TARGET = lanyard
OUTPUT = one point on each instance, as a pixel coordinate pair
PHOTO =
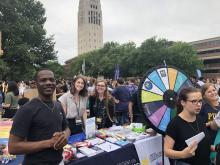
(77, 106)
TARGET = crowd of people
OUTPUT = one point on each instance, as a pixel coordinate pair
(44, 119)
(111, 102)
(71, 102)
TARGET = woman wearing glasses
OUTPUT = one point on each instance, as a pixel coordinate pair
(184, 126)
(101, 105)
(74, 104)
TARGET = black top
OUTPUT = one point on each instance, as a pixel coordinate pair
(102, 110)
(137, 116)
(218, 158)
(208, 113)
(122, 94)
(181, 130)
(36, 121)
(135, 107)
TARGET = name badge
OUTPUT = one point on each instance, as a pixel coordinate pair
(98, 120)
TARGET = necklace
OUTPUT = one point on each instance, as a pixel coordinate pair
(50, 108)
(197, 125)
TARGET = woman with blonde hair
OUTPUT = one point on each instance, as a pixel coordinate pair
(101, 105)
(209, 110)
(210, 106)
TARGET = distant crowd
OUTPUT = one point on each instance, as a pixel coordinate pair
(116, 103)
(110, 101)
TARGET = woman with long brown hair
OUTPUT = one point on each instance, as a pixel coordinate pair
(74, 104)
(101, 105)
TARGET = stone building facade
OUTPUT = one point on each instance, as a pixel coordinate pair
(90, 29)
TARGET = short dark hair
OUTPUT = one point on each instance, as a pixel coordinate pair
(13, 87)
(38, 71)
(201, 78)
(120, 81)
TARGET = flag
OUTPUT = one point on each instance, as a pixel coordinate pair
(84, 67)
(198, 73)
(117, 72)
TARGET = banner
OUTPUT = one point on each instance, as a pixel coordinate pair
(117, 72)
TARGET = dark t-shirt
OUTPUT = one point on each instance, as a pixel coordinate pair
(137, 116)
(208, 113)
(181, 130)
(36, 122)
(122, 94)
(135, 107)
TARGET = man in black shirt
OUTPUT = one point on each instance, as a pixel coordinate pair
(40, 127)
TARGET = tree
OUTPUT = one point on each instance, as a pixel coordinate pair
(136, 61)
(3, 69)
(56, 68)
(24, 39)
(183, 56)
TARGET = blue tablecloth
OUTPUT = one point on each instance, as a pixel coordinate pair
(125, 155)
(19, 158)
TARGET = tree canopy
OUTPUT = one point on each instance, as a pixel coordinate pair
(25, 44)
(27, 48)
(135, 61)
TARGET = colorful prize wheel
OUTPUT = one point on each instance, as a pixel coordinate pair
(158, 93)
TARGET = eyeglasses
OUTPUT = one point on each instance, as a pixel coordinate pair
(100, 85)
(195, 102)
